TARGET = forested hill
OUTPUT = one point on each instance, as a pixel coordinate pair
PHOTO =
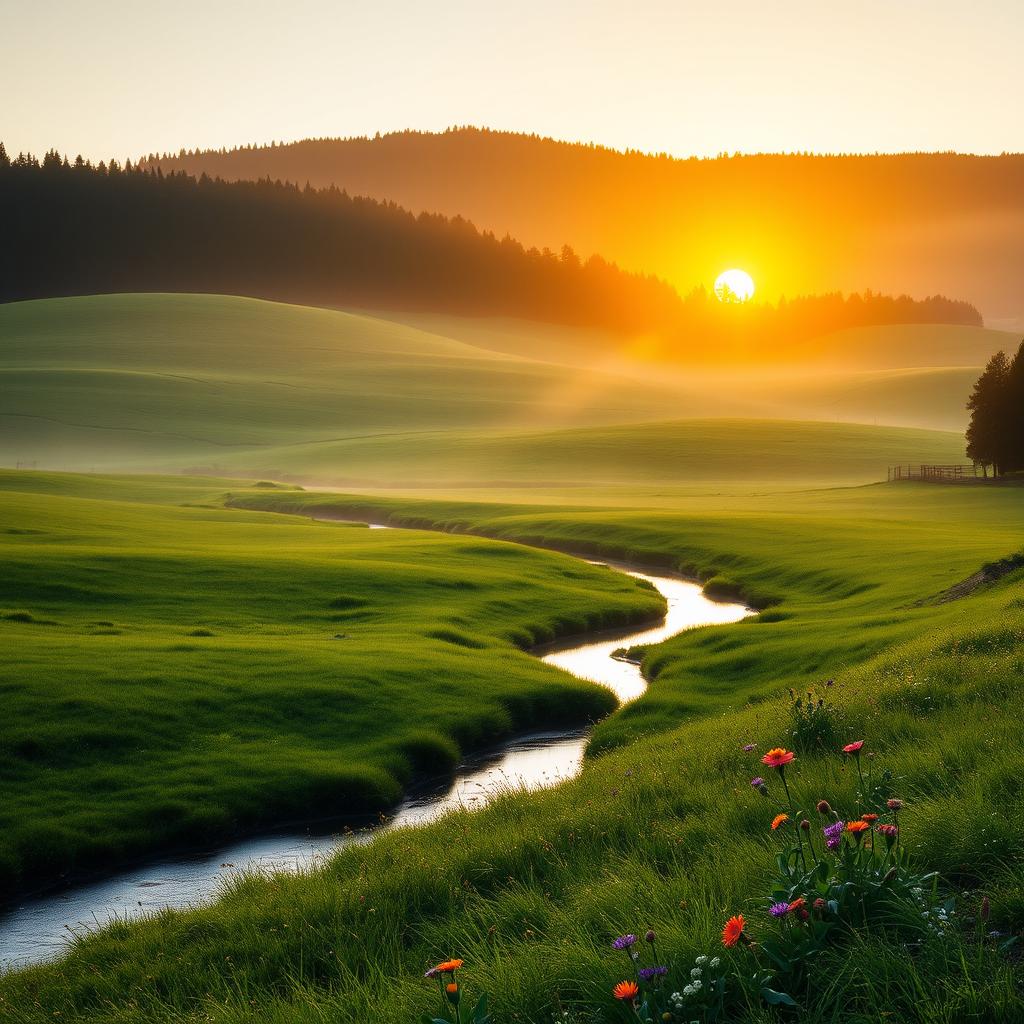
(73, 229)
(918, 223)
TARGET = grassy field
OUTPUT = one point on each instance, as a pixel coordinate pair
(228, 386)
(662, 830)
(162, 654)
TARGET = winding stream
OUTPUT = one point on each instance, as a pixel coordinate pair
(39, 927)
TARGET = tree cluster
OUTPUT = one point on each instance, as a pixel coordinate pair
(73, 228)
(995, 436)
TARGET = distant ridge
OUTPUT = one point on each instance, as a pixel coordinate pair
(919, 223)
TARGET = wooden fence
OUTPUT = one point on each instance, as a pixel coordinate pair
(938, 474)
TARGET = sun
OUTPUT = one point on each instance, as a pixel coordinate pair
(734, 286)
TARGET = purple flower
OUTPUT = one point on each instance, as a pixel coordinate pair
(835, 830)
(748, 747)
(432, 973)
(647, 973)
(757, 783)
(834, 843)
(779, 909)
(624, 942)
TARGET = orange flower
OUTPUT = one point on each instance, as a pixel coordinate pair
(778, 757)
(626, 990)
(779, 819)
(451, 988)
(733, 930)
(448, 966)
(869, 818)
(798, 904)
(857, 827)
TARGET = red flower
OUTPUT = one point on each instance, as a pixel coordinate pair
(626, 990)
(869, 818)
(894, 805)
(853, 748)
(778, 757)
(798, 904)
(733, 930)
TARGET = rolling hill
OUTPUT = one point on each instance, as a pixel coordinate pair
(222, 384)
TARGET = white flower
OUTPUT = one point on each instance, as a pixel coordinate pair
(701, 961)
(715, 961)
(697, 985)
(696, 972)
(689, 990)
(675, 997)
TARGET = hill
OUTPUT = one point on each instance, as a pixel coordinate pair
(918, 223)
(216, 383)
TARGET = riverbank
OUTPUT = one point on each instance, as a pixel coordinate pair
(159, 646)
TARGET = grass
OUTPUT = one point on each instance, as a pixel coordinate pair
(662, 830)
(159, 649)
(227, 385)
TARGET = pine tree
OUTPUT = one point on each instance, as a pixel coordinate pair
(986, 433)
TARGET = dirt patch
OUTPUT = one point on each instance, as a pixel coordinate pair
(986, 575)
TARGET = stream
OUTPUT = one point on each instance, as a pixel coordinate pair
(38, 928)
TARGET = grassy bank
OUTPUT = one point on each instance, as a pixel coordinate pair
(176, 673)
(665, 831)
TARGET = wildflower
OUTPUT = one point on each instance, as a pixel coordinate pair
(890, 832)
(701, 961)
(748, 747)
(869, 818)
(689, 991)
(626, 990)
(820, 905)
(778, 821)
(448, 966)
(857, 829)
(733, 930)
(805, 825)
(798, 904)
(824, 807)
(715, 961)
(894, 805)
(624, 942)
(452, 989)
(833, 843)
(854, 747)
(649, 937)
(695, 973)
(432, 973)
(759, 784)
(648, 973)
(778, 757)
(779, 909)
(834, 830)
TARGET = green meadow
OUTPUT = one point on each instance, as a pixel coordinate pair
(163, 653)
(661, 828)
(233, 386)
(192, 657)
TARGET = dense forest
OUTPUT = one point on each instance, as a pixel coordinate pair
(801, 224)
(71, 228)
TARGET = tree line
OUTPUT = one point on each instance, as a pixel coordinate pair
(995, 435)
(914, 222)
(73, 228)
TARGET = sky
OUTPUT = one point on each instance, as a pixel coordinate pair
(688, 77)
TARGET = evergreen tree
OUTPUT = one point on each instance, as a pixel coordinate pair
(1013, 414)
(986, 437)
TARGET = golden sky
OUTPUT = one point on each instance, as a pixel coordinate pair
(112, 77)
